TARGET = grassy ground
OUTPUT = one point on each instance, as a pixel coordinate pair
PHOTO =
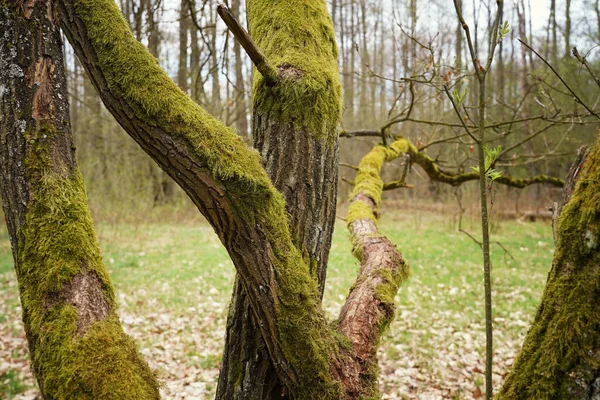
(174, 282)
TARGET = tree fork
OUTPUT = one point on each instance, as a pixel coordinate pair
(228, 184)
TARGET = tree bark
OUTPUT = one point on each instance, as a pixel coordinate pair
(560, 358)
(300, 154)
(74, 335)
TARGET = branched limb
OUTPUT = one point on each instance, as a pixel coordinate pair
(584, 62)
(575, 96)
(369, 308)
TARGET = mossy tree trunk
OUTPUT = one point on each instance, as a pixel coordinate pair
(75, 339)
(294, 127)
(560, 358)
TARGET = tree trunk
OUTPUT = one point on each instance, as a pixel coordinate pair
(300, 153)
(215, 100)
(553, 28)
(241, 116)
(162, 185)
(197, 92)
(75, 339)
(560, 358)
(182, 68)
(153, 28)
(567, 29)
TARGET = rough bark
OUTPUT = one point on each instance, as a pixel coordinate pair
(299, 151)
(370, 306)
(560, 358)
(68, 303)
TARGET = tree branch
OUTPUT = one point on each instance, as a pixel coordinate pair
(584, 62)
(577, 99)
(369, 308)
(458, 115)
(256, 55)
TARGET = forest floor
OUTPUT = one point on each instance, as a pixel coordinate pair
(174, 282)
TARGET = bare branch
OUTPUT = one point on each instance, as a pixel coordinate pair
(256, 55)
(584, 62)
(463, 23)
(459, 116)
(577, 99)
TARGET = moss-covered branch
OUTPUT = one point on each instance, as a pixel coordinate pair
(437, 174)
(369, 308)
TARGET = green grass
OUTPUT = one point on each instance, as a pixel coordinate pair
(174, 283)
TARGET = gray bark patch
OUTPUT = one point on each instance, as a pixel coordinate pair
(84, 292)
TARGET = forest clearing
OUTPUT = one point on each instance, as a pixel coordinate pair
(174, 283)
(172, 173)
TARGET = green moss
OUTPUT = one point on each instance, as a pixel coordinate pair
(58, 233)
(102, 364)
(560, 355)
(368, 180)
(237, 372)
(297, 37)
(133, 75)
(57, 243)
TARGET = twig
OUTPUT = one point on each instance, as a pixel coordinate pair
(258, 58)
(458, 114)
(577, 99)
(354, 167)
(583, 61)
